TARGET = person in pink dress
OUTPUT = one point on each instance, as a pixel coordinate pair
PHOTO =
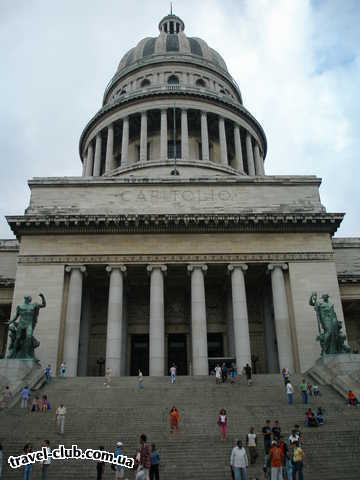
(222, 422)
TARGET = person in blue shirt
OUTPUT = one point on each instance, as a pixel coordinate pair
(119, 469)
(48, 373)
(26, 469)
(25, 394)
(155, 463)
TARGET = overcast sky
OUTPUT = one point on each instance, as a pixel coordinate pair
(297, 63)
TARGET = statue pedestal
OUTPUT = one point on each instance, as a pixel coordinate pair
(16, 373)
(341, 371)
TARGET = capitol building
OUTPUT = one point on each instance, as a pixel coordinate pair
(174, 245)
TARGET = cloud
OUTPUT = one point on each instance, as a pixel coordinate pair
(297, 64)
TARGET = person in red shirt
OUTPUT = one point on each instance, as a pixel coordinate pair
(145, 459)
(352, 400)
(276, 461)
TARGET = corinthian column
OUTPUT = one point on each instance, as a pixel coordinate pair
(223, 146)
(157, 320)
(281, 316)
(115, 319)
(240, 316)
(184, 135)
(125, 143)
(198, 320)
(73, 317)
(109, 162)
(250, 155)
(143, 137)
(89, 161)
(97, 161)
(163, 136)
(238, 164)
(204, 137)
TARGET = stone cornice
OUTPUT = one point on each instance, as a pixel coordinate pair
(348, 278)
(103, 181)
(346, 242)
(9, 245)
(7, 282)
(180, 223)
(171, 258)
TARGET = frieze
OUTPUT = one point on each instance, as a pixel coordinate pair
(176, 259)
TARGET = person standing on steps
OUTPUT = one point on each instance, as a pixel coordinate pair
(251, 444)
(290, 392)
(100, 467)
(60, 417)
(267, 436)
(26, 469)
(155, 463)
(276, 461)
(145, 459)
(25, 395)
(224, 372)
(140, 380)
(276, 431)
(119, 469)
(107, 377)
(45, 463)
(174, 419)
(298, 463)
(62, 369)
(239, 461)
(304, 391)
(173, 373)
(218, 374)
(48, 374)
(222, 422)
(248, 374)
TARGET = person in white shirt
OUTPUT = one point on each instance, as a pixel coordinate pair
(173, 372)
(218, 373)
(290, 393)
(239, 461)
(251, 443)
(45, 463)
(60, 417)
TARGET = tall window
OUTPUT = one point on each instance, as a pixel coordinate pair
(171, 149)
(145, 83)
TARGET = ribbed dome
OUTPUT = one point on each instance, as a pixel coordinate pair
(172, 41)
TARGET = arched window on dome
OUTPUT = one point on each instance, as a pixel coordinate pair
(200, 83)
(222, 91)
(173, 80)
(145, 83)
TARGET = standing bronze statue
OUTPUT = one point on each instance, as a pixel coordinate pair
(331, 338)
(21, 329)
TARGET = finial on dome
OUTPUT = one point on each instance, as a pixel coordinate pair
(171, 8)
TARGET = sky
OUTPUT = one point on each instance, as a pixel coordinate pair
(297, 63)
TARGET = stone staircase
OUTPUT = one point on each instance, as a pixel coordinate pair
(102, 416)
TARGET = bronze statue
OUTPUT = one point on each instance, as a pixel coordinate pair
(22, 341)
(331, 338)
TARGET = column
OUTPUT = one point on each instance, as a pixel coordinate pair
(281, 316)
(143, 137)
(269, 334)
(109, 162)
(230, 324)
(73, 317)
(238, 163)
(125, 142)
(259, 165)
(157, 320)
(250, 155)
(163, 136)
(184, 135)
(97, 160)
(89, 161)
(84, 166)
(84, 334)
(204, 137)
(198, 320)
(240, 315)
(222, 138)
(115, 318)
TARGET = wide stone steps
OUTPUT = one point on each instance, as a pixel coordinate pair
(97, 415)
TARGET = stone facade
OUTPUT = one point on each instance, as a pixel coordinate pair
(173, 245)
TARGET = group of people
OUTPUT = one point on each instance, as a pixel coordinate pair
(221, 373)
(27, 470)
(37, 405)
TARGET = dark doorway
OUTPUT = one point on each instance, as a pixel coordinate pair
(177, 353)
(215, 345)
(139, 354)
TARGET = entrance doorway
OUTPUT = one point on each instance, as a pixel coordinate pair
(139, 354)
(177, 353)
(215, 345)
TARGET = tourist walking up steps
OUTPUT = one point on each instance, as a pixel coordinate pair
(248, 374)
(119, 469)
(298, 463)
(25, 395)
(174, 419)
(222, 423)
(290, 392)
(48, 374)
(60, 418)
(239, 461)
(173, 373)
(304, 391)
(26, 469)
(252, 446)
(45, 463)
(155, 463)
